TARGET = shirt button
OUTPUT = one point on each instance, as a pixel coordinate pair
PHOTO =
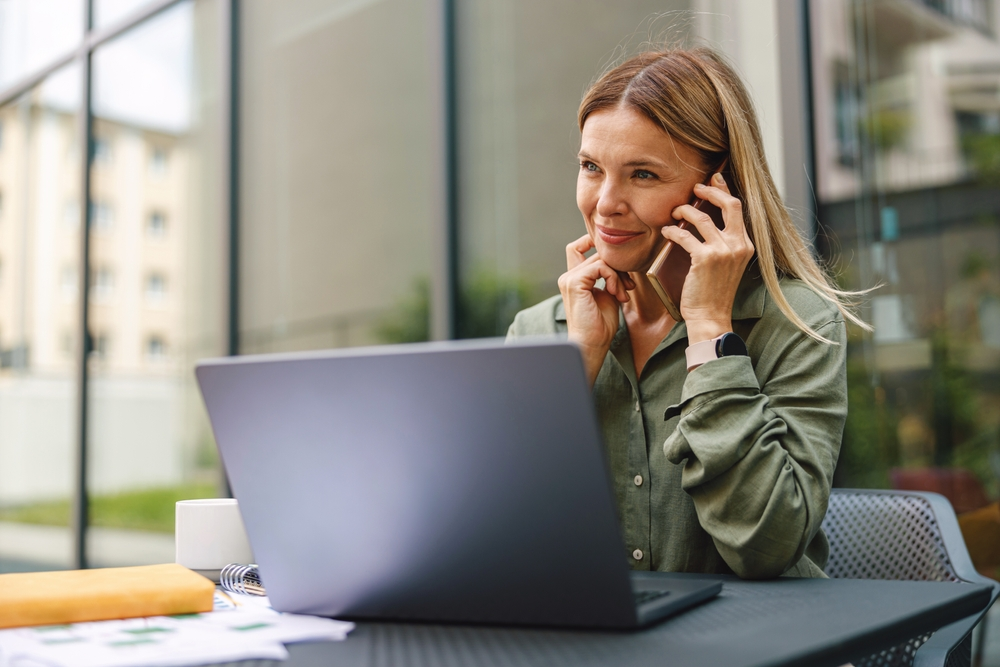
(637, 554)
(638, 480)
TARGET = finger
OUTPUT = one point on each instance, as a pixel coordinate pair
(701, 221)
(588, 261)
(683, 238)
(719, 182)
(593, 269)
(718, 194)
(613, 283)
(589, 270)
(576, 251)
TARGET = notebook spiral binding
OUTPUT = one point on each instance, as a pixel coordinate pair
(243, 579)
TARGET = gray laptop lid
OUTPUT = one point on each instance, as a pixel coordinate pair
(451, 482)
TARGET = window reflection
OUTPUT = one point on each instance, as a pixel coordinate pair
(33, 33)
(341, 172)
(907, 148)
(522, 67)
(158, 269)
(156, 225)
(38, 309)
(107, 12)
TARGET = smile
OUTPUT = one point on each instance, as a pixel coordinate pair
(615, 236)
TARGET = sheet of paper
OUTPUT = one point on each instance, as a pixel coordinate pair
(154, 642)
(240, 629)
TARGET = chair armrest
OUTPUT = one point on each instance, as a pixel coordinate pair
(954, 542)
(935, 651)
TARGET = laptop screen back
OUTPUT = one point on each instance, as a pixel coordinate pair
(452, 482)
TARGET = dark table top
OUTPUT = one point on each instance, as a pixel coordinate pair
(784, 622)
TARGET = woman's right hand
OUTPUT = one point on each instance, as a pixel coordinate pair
(591, 312)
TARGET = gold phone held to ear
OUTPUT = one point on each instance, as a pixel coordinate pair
(667, 277)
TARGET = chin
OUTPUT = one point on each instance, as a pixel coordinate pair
(625, 261)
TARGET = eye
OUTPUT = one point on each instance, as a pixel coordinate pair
(587, 165)
(644, 175)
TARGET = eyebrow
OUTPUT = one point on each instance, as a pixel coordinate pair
(631, 163)
(646, 163)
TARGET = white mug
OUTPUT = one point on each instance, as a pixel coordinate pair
(209, 534)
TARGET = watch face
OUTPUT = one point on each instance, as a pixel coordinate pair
(731, 345)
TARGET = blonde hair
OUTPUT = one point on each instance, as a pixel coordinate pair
(698, 99)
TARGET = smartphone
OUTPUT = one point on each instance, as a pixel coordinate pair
(667, 277)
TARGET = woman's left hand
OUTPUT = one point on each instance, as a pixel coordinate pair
(717, 264)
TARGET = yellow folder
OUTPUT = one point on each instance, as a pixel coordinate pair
(51, 598)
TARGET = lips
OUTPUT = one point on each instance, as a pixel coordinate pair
(616, 236)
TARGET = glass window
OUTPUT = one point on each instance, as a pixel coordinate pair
(107, 12)
(907, 148)
(34, 32)
(102, 347)
(102, 216)
(102, 284)
(158, 162)
(102, 150)
(156, 92)
(156, 225)
(156, 288)
(37, 317)
(522, 69)
(518, 143)
(156, 348)
(341, 172)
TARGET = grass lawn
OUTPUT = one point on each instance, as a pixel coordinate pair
(148, 509)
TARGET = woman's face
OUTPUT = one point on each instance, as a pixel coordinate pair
(632, 177)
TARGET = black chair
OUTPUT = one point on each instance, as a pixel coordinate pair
(909, 535)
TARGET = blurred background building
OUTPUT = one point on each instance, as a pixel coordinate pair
(182, 179)
(906, 114)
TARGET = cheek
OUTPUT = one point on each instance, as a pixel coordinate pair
(586, 194)
(655, 211)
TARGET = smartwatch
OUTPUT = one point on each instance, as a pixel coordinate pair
(726, 345)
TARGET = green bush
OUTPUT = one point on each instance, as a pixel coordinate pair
(983, 153)
(887, 128)
(146, 509)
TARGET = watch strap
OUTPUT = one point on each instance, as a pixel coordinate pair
(707, 350)
(702, 352)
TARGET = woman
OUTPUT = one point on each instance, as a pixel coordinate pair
(722, 456)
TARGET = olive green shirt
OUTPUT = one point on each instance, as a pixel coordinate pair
(728, 468)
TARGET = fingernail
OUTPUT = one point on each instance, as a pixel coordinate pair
(699, 186)
(720, 179)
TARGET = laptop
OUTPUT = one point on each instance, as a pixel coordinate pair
(440, 482)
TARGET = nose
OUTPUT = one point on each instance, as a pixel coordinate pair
(611, 200)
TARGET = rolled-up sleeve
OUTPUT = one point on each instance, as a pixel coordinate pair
(758, 440)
